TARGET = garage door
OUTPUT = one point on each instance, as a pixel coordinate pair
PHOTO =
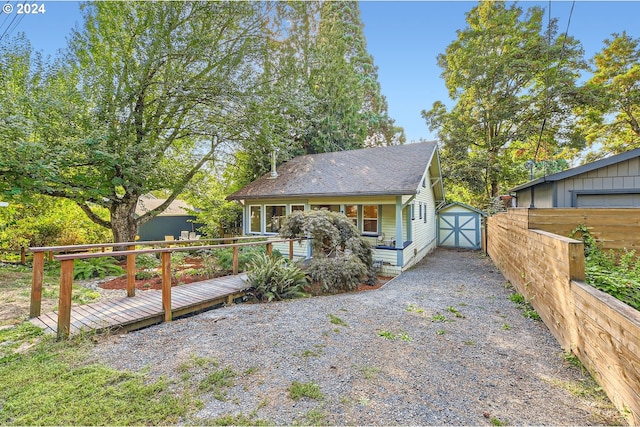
(608, 200)
(459, 230)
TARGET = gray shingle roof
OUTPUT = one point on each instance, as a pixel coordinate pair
(393, 170)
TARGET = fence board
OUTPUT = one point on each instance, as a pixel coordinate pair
(547, 268)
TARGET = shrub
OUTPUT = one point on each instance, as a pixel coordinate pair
(274, 278)
(96, 267)
(337, 274)
(619, 278)
(220, 261)
(341, 258)
(147, 261)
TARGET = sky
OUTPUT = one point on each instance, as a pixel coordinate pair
(404, 37)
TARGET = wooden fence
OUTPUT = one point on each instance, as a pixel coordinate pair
(548, 269)
(169, 247)
(613, 228)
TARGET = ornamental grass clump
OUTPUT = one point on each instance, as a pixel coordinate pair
(273, 278)
(341, 259)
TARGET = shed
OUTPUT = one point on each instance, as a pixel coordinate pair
(460, 226)
(613, 182)
(174, 221)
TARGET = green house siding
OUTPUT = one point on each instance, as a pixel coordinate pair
(403, 235)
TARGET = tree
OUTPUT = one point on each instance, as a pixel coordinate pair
(351, 110)
(610, 115)
(341, 257)
(147, 94)
(507, 78)
(319, 91)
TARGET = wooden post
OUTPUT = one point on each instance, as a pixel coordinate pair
(37, 272)
(290, 250)
(64, 301)
(50, 256)
(23, 256)
(269, 248)
(576, 261)
(166, 285)
(235, 260)
(131, 272)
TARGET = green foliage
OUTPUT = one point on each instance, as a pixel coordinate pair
(147, 261)
(220, 261)
(273, 278)
(619, 278)
(336, 320)
(45, 221)
(341, 258)
(337, 274)
(610, 109)
(525, 306)
(298, 390)
(500, 71)
(216, 381)
(51, 385)
(89, 268)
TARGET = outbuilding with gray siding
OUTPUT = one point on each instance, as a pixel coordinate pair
(613, 182)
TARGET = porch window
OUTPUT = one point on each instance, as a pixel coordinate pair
(370, 219)
(297, 208)
(274, 216)
(351, 211)
(332, 208)
(255, 225)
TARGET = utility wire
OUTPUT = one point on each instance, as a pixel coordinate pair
(561, 57)
(15, 21)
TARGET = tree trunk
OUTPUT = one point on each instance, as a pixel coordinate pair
(123, 221)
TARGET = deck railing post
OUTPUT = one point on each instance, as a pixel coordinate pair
(166, 285)
(37, 274)
(23, 256)
(64, 301)
(290, 250)
(235, 260)
(131, 273)
(269, 248)
(50, 256)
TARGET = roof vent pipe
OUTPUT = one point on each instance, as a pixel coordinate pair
(274, 172)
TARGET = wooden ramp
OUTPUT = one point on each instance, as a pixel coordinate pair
(144, 309)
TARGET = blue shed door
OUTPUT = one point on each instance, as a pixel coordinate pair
(459, 230)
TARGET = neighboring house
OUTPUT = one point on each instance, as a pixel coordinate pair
(173, 221)
(613, 182)
(390, 193)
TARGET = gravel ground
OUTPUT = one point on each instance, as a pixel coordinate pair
(487, 365)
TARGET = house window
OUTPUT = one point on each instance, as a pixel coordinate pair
(332, 208)
(370, 219)
(413, 211)
(420, 210)
(425, 213)
(297, 208)
(351, 211)
(255, 225)
(274, 216)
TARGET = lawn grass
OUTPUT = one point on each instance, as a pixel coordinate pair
(53, 384)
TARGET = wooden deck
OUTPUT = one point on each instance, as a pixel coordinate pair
(144, 309)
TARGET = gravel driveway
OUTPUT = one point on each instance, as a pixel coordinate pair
(463, 354)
